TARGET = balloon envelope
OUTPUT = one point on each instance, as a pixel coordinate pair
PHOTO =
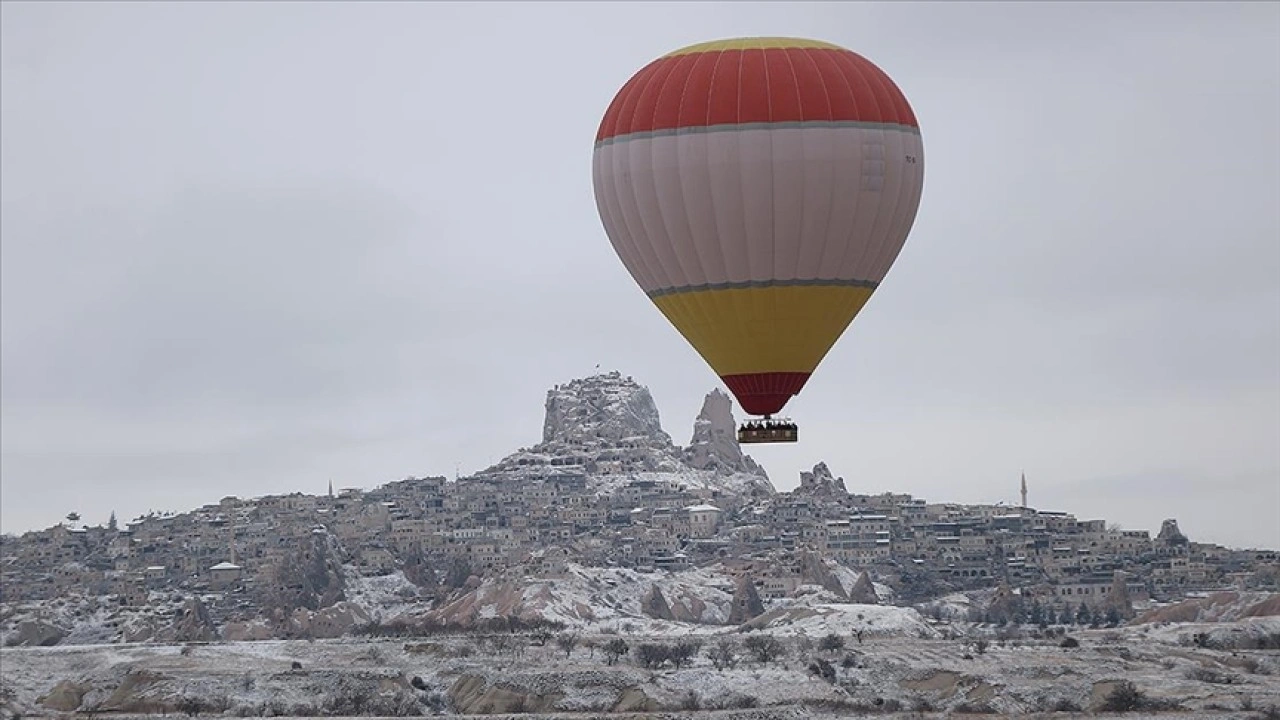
(758, 190)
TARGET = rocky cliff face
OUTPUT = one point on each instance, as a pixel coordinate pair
(864, 592)
(601, 424)
(820, 482)
(603, 409)
(746, 602)
(607, 425)
(714, 445)
(1170, 534)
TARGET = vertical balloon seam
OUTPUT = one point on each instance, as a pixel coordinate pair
(691, 309)
(611, 213)
(803, 175)
(773, 338)
(894, 237)
(887, 238)
(644, 239)
(711, 196)
(684, 208)
(856, 191)
(902, 225)
(715, 212)
(831, 201)
(851, 69)
(667, 238)
(744, 328)
(661, 242)
(627, 244)
(624, 224)
(616, 179)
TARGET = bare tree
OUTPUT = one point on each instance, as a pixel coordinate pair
(765, 648)
(724, 654)
(567, 642)
(615, 649)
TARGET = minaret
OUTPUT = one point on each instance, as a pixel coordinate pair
(1024, 490)
(331, 487)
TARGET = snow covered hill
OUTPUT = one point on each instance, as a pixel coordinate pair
(607, 427)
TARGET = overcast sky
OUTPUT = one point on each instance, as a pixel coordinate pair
(248, 248)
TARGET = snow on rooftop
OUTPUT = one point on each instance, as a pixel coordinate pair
(225, 566)
(703, 508)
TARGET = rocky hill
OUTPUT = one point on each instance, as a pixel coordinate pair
(607, 426)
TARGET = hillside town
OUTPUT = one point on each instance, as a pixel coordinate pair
(608, 488)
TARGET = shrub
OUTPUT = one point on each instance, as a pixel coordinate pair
(922, 705)
(831, 643)
(1209, 675)
(1069, 642)
(691, 701)
(823, 669)
(190, 706)
(850, 660)
(1124, 697)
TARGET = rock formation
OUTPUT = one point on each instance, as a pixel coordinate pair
(714, 445)
(605, 408)
(820, 483)
(1004, 605)
(36, 633)
(816, 570)
(1170, 534)
(864, 591)
(654, 604)
(608, 425)
(193, 623)
(746, 602)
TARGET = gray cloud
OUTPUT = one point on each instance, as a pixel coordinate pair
(247, 248)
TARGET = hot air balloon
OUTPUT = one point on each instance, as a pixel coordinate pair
(758, 190)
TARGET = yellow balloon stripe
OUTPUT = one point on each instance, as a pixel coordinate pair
(787, 328)
(760, 43)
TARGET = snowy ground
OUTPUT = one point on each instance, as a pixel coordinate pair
(886, 672)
